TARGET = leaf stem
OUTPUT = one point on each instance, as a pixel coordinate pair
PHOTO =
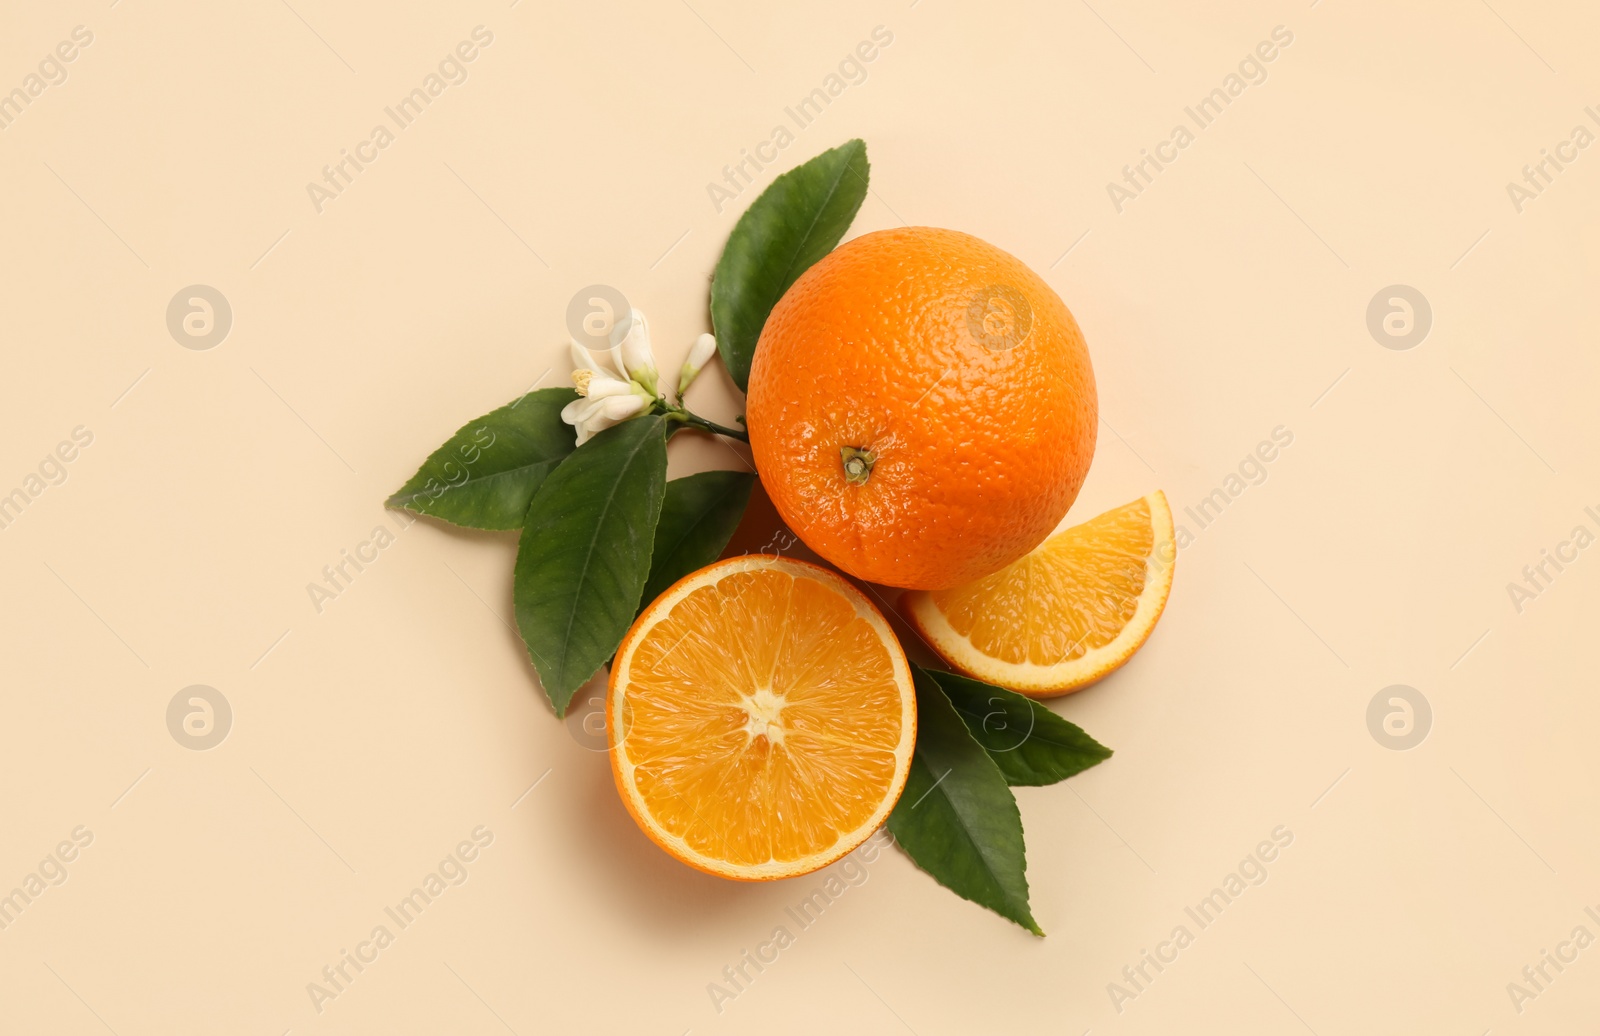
(676, 412)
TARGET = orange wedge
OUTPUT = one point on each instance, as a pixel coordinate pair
(1064, 616)
(761, 718)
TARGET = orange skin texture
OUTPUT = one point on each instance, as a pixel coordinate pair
(979, 409)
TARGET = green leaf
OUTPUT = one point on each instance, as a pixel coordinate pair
(698, 517)
(585, 553)
(796, 221)
(1030, 744)
(484, 475)
(956, 818)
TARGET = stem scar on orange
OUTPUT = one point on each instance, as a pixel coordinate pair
(921, 408)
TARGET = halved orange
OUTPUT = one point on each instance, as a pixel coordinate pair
(1064, 616)
(761, 718)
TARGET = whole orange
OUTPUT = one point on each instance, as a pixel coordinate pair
(921, 408)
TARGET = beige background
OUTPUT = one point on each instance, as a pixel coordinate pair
(369, 739)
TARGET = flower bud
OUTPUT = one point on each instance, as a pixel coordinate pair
(700, 354)
(638, 359)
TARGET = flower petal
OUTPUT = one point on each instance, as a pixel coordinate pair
(569, 413)
(702, 350)
(601, 361)
(603, 385)
(619, 408)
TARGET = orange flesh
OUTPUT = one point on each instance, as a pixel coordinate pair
(1076, 592)
(761, 719)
